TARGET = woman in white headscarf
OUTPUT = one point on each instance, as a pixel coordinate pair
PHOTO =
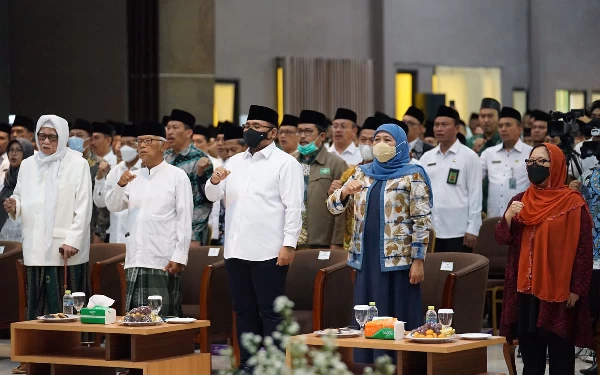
(53, 197)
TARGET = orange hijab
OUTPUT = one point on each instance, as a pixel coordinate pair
(552, 218)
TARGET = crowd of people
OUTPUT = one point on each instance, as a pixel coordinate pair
(267, 188)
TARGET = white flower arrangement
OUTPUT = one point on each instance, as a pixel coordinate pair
(269, 358)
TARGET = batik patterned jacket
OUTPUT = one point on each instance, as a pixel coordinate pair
(405, 220)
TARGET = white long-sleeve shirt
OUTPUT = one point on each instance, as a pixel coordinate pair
(213, 219)
(265, 199)
(118, 220)
(456, 208)
(110, 158)
(160, 207)
(351, 154)
(502, 166)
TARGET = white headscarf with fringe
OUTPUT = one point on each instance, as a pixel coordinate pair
(50, 166)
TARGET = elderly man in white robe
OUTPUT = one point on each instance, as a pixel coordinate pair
(53, 198)
(160, 203)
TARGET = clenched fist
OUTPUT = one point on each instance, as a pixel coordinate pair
(219, 175)
(10, 205)
(126, 178)
(575, 185)
(103, 170)
(513, 210)
(203, 163)
(352, 187)
(336, 184)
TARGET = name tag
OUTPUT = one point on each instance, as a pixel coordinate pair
(324, 255)
(325, 171)
(496, 161)
(431, 164)
(213, 252)
(596, 263)
(512, 183)
(2, 249)
(452, 176)
(447, 266)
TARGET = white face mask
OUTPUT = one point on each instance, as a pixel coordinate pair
(128, 153)
(366, 151)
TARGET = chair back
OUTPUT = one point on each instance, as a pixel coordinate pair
(300, 281)
(191, 278)
(9, 308)
(489, 248)
(22, 288)
(104, 274)
(462, 289)
(103, 251)
(333, 297)
(215, 305)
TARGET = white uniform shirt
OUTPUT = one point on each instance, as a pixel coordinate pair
(507, 174)
(351, 154)
(160, 216)
(213, 219)
(118, 220)
(110, 158)
(264, 202)
(456, 208)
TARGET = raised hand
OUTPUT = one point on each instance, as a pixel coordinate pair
(126, 178)
(219, 175)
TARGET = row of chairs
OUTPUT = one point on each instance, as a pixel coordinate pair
(321, 289)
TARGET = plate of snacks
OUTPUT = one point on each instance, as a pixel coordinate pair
(58, 318)
(432, 334)
(141, 316)
(339, 332)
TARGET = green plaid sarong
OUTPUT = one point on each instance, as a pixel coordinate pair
(45, 289)
(145, 282)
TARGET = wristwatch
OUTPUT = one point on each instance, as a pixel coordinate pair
(291, 248)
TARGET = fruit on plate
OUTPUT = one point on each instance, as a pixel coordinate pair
(142, 314)
(56, 316)
(432, 331)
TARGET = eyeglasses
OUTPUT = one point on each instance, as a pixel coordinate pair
(52, 137)
(539, 162)
(15, 150)
(130, 143)
(411, 124)
(256, 126)
(147, 141)
(307, 132)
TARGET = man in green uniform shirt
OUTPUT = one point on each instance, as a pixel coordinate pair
(320, 229)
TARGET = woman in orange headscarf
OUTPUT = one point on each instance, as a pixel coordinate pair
(549, 232)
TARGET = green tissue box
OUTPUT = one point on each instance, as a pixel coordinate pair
(98, 315)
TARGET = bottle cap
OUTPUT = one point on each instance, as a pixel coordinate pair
(431, 308)
(67, 291)
(371, 303)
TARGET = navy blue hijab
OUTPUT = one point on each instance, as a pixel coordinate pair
(399, 165)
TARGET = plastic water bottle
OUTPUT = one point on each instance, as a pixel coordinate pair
(431, 316)
(373, 312)
(68, 303)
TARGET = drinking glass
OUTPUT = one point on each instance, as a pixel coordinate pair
(78, 301)
(361, 314)
(445, 317)
(155, 303)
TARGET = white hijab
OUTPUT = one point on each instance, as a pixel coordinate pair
(50, 164)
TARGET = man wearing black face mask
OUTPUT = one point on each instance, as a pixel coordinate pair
(264, 192)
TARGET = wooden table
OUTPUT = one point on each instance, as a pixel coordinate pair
(461, 357)
(55, 348)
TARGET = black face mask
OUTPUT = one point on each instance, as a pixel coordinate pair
(538, 174)
(253, 137)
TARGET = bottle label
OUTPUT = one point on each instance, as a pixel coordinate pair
(68, 303)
